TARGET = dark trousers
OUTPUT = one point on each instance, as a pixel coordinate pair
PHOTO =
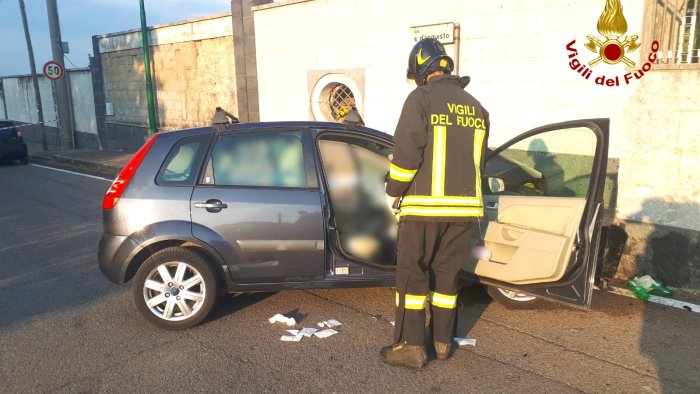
(430, 256)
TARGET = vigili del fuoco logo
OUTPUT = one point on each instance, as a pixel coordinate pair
(611, 48)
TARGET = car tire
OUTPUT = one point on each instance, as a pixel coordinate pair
(24, 160)
(175, 288)
(512, 299)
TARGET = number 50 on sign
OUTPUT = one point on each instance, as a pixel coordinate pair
(53, 70)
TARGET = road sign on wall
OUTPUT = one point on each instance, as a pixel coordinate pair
(53, 70)
(443, 32)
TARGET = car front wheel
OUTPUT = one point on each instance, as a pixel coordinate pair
(175, 289)
(513, 299)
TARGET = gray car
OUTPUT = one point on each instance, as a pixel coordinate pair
(298, 205)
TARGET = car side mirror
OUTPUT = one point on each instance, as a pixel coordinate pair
(496, 185)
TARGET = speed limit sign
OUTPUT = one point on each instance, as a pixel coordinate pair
(53, 70)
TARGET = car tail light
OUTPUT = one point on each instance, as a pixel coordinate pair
(122, 181)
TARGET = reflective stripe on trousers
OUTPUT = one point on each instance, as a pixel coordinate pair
(412, 301)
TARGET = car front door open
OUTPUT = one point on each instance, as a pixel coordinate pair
(543, 200)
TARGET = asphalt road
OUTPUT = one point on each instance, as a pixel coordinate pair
(65, 328)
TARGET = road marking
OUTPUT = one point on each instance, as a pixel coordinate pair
(686, 306)
(72, 172)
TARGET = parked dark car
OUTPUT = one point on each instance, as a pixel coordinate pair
(12, 146)
(298, 205)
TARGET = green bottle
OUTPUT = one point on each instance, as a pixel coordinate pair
(652, 286)
(661, 290)
(638, 290)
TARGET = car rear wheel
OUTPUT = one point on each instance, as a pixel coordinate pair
(513, 299)
(175, 289)
(25, 160)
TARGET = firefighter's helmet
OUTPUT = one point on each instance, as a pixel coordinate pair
(428, 56)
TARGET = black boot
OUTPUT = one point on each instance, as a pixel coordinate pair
(443, 350)
(402, 354)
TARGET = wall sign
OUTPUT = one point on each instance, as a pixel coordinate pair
(443, 32)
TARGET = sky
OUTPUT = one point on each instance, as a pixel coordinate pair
(80, 20)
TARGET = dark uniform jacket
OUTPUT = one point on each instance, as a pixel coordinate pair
(440, 152)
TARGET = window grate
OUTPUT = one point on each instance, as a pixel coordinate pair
(677, 30)
(341, 100)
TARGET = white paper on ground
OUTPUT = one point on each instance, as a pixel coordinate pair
(293, 332)
(331, 323)
(465, 341)
(307, 332)
(393, 323)
(279, 318)
(291, 338)
(276, 318)
(325, 333)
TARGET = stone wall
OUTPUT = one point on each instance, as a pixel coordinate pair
(193, 72)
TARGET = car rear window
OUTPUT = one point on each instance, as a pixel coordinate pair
(181, 167)
(8, 134)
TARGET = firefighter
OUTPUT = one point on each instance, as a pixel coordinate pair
(434, 187)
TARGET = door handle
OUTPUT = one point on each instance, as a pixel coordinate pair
(212, 205)
(491, 205)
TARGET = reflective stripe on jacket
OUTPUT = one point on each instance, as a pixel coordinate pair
(441, 141)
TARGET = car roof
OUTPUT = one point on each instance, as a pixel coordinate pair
(298, 125)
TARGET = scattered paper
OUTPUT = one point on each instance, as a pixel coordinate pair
(332, 323)
(307, 332)
(325, 333)
(291, 338)
(293, 332)
(279, 318)
(393, 323)
(465, 341)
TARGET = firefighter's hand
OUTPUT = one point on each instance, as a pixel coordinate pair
(393, 204)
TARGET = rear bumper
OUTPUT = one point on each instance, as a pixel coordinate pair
(112, 254)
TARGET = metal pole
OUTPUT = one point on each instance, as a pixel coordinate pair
(147, 70)
(63, 101)
(457, 32)
(35, 81)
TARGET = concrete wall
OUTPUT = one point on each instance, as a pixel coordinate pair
(193, 73)
(19, 101)
(515, 52)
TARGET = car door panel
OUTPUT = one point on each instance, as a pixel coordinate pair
(275, 234)
(542, 229)
(531, 238)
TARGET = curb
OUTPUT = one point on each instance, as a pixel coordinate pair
(690, 307)
(99, 168)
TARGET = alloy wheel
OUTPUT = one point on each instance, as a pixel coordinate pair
(515, 296)
(174, 291)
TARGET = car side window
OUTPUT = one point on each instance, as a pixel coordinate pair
(181, 166)
(556, 163)
(268, 159)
